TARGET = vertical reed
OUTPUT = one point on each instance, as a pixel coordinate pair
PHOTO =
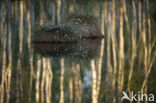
(121, 52)
(94, 82)
(114, 46)
(62, 82)
(37, 85)
(4, 44)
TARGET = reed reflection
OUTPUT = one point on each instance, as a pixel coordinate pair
(3, 55)
(30, 52)
(95, 71)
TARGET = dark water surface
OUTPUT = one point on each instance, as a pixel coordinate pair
(90, 71)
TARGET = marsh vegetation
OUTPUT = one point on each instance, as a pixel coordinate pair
(93, 71)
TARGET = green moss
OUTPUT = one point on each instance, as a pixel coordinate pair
(75, 28)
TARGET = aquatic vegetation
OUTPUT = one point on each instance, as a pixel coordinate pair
(80, 69)
(76, 28)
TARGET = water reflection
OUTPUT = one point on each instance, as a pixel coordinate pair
(95, 71)
(82, 49)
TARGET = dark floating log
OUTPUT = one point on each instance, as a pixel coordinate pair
(75, 29)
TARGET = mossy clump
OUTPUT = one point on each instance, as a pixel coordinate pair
(75, 28)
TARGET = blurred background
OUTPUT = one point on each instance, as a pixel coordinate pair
(123, 61)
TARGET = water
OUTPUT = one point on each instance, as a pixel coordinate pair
(93, 71)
